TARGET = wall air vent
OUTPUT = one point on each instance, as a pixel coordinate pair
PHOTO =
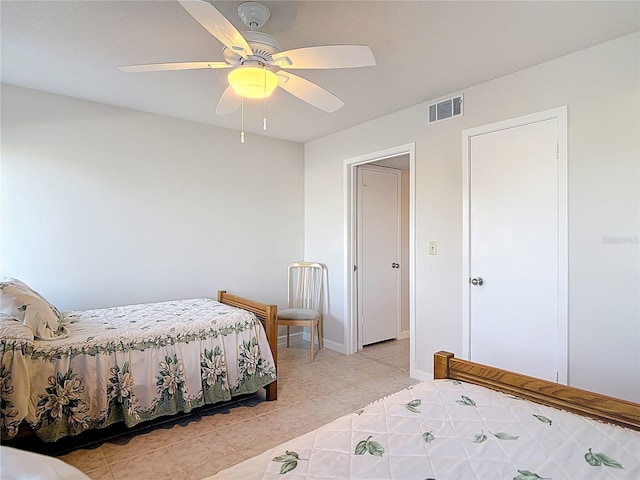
(449, 108)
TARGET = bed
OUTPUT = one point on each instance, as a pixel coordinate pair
(471, 422)
(64, 373)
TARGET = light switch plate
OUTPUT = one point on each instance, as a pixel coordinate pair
(433, 247)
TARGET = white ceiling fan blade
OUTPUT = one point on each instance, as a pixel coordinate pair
(217, 25)
(160, 67)
(229, 102)
(309, 92)
(328, 56)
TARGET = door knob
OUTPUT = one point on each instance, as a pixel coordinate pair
(395, 265)
(476, 281)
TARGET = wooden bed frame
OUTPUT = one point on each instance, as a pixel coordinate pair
(268, 314)
(582, 402)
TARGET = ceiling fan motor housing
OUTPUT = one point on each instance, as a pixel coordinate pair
(264, 46)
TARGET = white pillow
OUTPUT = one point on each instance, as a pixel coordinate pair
(20, 302)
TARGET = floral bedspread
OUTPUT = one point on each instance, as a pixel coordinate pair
(450, 430)
(132, 363)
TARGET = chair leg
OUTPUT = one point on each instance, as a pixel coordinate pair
(320, 346)
(288, 329)
(312, 341)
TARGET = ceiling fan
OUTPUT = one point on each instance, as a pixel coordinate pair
(258, 64)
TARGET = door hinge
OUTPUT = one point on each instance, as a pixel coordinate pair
(355, 268)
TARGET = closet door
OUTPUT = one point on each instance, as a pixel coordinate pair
(516, 296)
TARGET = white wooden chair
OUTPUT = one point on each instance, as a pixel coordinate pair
(304, 300)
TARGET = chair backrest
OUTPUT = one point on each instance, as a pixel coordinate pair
(305, 285)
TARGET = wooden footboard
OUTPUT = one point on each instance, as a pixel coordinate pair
(267, 315)
(582, 402)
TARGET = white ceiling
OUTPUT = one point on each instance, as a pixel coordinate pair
(423, 49)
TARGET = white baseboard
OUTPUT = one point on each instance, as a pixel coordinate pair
(420, 374)
(338, 347)
(282, 339)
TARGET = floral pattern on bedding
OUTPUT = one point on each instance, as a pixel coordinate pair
(195, 352)
(10, 418)
(451, 430)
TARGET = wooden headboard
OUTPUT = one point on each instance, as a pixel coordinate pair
(582, 402)
(268, 315)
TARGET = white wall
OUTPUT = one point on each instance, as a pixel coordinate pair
(600, 85)
(104, 206)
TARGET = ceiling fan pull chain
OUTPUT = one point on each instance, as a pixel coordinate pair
(264, 100)
(241, 119)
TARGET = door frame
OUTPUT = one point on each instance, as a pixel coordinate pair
(560, 114)
(359, 237)
(350, 235)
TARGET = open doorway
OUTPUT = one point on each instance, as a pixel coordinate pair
(399, 161)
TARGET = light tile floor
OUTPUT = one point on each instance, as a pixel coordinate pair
(309, 395)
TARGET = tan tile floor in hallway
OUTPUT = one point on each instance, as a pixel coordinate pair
(309, 395)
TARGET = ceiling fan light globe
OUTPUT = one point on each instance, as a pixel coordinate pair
(253, 82)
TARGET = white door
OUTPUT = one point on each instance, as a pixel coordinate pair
(515, 295)
(379, 253)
